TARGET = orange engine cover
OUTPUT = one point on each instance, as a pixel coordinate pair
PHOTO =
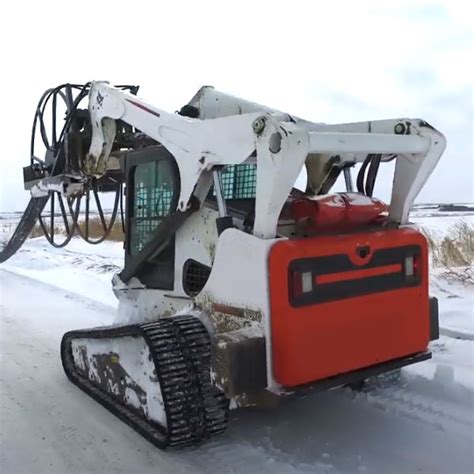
(344, 302)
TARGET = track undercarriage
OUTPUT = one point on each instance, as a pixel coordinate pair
(155, 377)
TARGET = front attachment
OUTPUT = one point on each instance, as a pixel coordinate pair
(155, 377)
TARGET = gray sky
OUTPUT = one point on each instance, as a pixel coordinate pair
(331, 61)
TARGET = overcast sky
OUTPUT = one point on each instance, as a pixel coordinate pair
(330, 61)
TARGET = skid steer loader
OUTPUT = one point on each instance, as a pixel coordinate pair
(239, 288)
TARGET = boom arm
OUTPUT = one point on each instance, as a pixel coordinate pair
(279, 143)
(196, 145)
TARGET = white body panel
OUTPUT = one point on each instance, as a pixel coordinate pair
(196, 239)
(239, 278)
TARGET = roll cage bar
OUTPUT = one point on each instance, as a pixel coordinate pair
(229, 131)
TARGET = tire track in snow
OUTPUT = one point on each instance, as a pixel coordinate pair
(456, 334)
(450, 411)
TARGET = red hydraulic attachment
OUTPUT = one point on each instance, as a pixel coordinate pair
(336, 212)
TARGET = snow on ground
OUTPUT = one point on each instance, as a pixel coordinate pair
(79, 268)
(424, 424)
(49, 426)
(456, 301)
(440, 225)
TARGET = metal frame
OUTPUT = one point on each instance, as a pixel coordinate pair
(279, 143)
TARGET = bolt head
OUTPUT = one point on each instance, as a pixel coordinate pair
(259, 125)
(400, 128)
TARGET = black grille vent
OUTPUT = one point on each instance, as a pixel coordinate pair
(195, 276)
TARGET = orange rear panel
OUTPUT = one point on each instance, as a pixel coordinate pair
(361, 310)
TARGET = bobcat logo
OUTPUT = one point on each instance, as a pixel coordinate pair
(100, 99)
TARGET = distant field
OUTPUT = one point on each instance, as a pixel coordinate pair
(447, 226)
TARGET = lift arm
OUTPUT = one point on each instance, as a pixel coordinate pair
(279, 144)
(196, 145)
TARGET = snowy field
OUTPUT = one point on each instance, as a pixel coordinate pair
(423, 425)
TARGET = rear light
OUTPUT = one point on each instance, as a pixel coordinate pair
(416, 264)
(325, 278)
(301, 283)
(307, 282)
(411, 266)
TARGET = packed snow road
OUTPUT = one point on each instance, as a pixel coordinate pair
(49, 426)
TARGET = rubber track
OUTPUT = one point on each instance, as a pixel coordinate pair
(181, 351)
(24, 227)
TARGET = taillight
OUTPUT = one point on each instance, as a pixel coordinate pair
(307, 282)
(313, 280)
(301, 282)
(416, 265)
(411, 266)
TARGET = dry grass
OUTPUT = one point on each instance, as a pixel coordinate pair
(464, 275)
(456, 249)
(95, 230)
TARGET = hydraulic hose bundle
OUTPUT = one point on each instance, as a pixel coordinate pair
(57, 142)
(365, 185)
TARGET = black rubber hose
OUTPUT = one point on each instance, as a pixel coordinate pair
(39, 116)
(36, 205)
(361, 174)
(372, 174)
(108, 228)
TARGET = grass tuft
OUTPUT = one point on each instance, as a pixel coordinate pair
(95, 230)
(456, 249)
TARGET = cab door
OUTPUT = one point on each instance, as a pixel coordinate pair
(152, 196)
